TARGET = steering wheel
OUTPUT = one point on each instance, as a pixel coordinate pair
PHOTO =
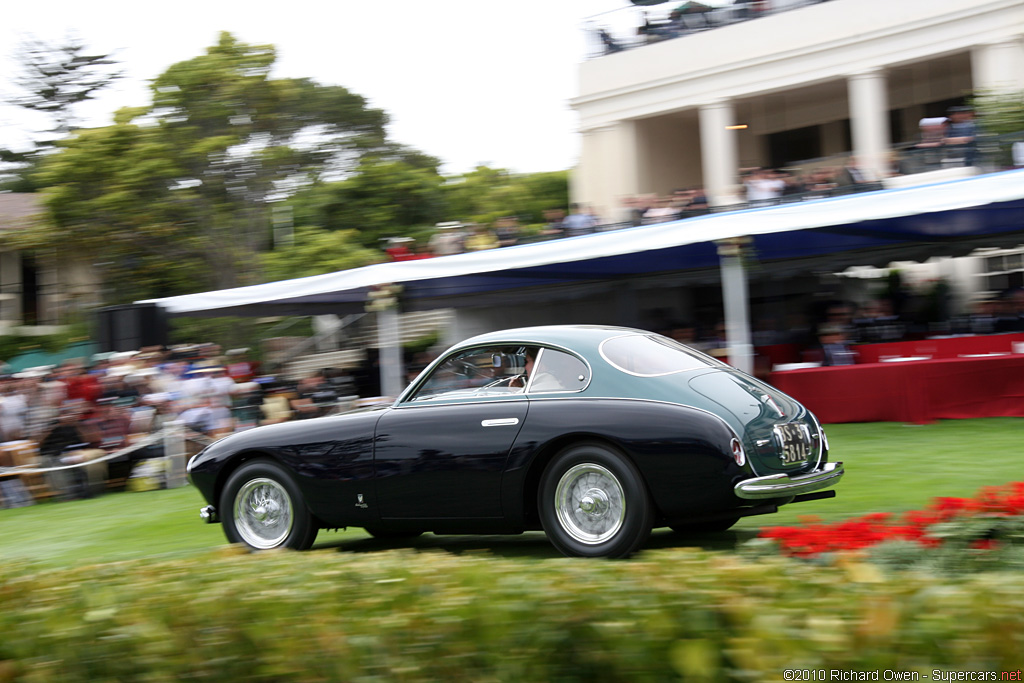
(501, 380)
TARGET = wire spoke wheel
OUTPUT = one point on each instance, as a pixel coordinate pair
(264, 513)
(263, 508)
(593, 502)
(590, 503)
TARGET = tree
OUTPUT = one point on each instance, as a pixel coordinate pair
(384, 197)
(1000, 114)
(178, 194)
(545, 191)
(54, 79)
(486, 194)
(111, 202)
(242, 139)
(400, 194)
(317, 251)
(58, 77)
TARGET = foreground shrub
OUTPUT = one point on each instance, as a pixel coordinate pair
(407, 616)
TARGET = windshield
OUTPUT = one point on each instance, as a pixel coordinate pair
(653, 355)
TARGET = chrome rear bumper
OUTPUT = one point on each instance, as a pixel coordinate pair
(782, 485)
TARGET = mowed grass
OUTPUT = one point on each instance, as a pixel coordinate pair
(890, 468)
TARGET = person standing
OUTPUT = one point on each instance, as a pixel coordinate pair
(961, 131)
(834, 349)
(578, 222)
(13, 408)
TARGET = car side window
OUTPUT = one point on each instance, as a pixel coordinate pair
(486, 371)
(558, 371)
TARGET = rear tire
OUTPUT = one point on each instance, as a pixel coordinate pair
(594, 503)
(261, 507)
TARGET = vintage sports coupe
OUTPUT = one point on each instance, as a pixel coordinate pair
(594, 434)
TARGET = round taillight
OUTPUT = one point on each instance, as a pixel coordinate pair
(737, 452)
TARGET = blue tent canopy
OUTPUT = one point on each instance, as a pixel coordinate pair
(949, 218)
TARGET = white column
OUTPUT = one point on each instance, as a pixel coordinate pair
(719, 155)
(626, 155)
(998, 66)
(608, 171)
(869, 121)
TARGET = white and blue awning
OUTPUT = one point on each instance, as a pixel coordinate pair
(943, 218)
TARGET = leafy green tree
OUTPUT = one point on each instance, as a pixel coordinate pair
(486, 194)
(316, 251)
(1001, 113)
(401, 194)
(545, 191)
(243, 139)
(384, 197)
(471, 195)
(176, 196)
(110, 203)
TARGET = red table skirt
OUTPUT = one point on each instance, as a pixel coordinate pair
(949, 347)
(910, 391)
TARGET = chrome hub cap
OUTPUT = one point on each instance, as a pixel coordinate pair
(590, 503)
(263, 513)
(594, 502)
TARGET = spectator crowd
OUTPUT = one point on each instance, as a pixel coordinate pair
(81, 418)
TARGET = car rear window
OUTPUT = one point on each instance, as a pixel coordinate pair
(559, 371)
(653, 355)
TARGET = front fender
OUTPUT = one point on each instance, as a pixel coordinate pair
(326, 457)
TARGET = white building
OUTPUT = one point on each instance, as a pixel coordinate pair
(821, 79)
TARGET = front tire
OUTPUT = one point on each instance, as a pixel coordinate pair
(594, 503)
(261, 507)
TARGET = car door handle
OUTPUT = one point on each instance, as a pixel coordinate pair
(500, 422)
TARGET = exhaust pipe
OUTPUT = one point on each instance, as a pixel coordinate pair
(209, 514)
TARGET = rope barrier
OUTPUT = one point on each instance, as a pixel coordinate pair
(156, 437)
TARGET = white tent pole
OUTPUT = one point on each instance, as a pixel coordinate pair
(388, 341)
(734, 299)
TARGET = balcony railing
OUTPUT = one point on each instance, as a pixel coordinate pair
(823, 177)
(632, 27)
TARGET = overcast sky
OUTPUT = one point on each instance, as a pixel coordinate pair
(468, 81)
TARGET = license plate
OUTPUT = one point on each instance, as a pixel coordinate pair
(794, 443)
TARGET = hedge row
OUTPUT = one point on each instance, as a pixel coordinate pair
(408, 616)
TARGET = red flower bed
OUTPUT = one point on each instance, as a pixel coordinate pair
(815, 537)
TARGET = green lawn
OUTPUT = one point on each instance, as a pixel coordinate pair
(890, 467)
